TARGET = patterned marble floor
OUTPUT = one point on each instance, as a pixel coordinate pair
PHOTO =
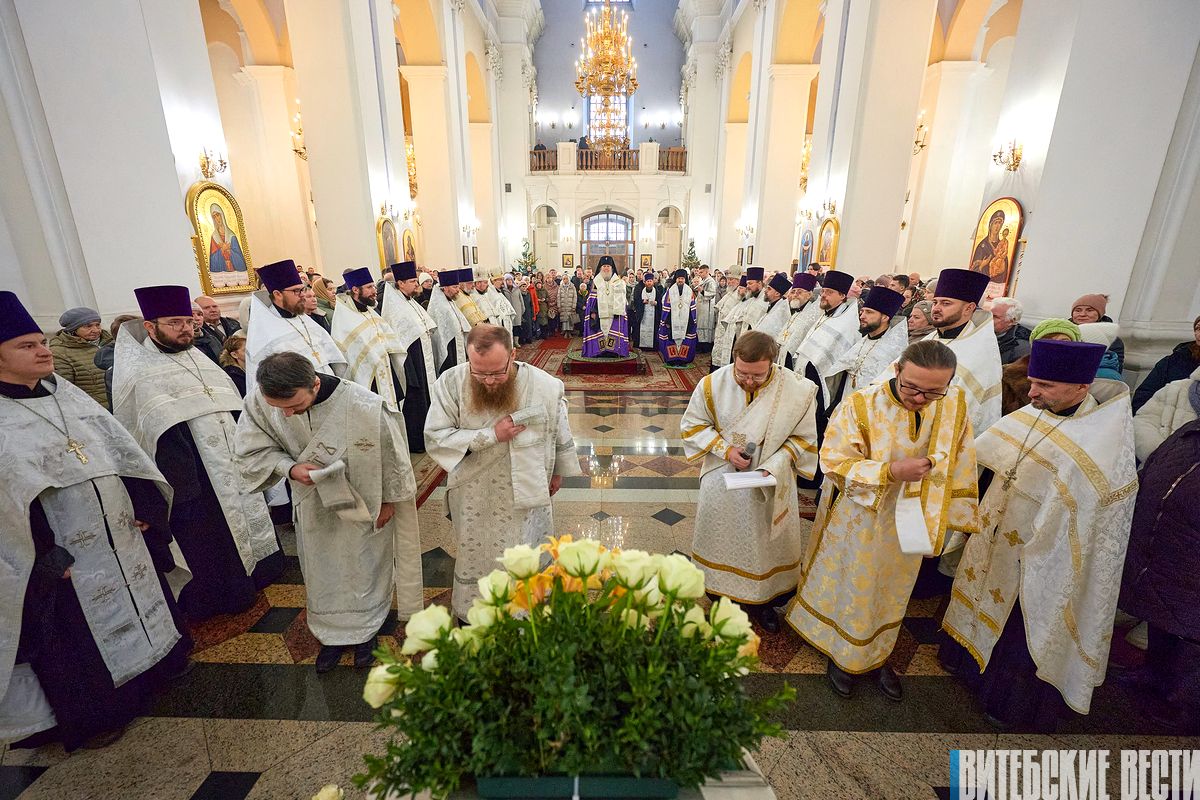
(254, 720)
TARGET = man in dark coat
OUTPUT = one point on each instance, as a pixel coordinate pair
(1180, 364)
(638, 308)
(1159, 583)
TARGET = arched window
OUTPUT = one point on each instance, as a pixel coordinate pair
(608, 233)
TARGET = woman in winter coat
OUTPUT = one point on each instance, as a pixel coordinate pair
(1159, 584)
(75, 347)
(1171, 407)
(1177, 366)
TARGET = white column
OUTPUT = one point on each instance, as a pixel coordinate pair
(280, 214)
(88, 100)
(438, 193)
(338, 58)
(487, 239)
(866, 115)
(512, 128)
(778, 183)
(950, 173)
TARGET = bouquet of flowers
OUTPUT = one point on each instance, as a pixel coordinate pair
(601, 662)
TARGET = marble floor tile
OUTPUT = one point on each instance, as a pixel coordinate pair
(252, 745)
(334, 758)
(248, 648)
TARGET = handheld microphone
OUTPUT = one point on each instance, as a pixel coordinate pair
(749, 449)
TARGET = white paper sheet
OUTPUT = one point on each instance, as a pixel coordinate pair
(911, 527)
(748, 480)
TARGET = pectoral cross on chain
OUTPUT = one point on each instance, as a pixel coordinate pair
(1010, 476)
(75, 447)
(208, 390)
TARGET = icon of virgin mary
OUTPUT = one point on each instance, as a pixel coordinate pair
(224, 250)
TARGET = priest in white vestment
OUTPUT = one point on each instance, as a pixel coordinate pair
(779, 310)
(835, 332)
(644, 312)
(277, 323)
(749, 541)
(88, 626)
(466, 298)
(180, 407)
(731, 319)
(605, 326)
(1036, 590)
(374, 353)
(354, 497)
(499, 428)
(899, 461)
(450, 337)
(414, 327)
(805, 312)
(496, 308)
(705, 287)
(756, 297)
(881, 343)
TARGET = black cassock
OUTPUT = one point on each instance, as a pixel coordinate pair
(417, 398)
(637, 310)
(57, 642)
(219, 582)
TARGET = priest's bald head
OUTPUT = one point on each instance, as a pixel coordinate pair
(288, 382)
(490, 359)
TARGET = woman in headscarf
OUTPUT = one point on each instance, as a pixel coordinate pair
(326, 301)
(920, 322)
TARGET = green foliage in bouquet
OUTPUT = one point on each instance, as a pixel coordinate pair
(690, 261)
(600, 663)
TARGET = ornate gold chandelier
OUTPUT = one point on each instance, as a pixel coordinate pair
(606, 71)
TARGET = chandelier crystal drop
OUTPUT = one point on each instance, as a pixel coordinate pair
(607, 73)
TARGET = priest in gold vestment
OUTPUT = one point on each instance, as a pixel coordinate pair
(1036, 590)
(749, 541)
(899, 461)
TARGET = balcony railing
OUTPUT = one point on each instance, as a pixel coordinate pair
(648, 158)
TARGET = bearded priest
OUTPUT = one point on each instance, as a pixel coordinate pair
(605, 326)
(899, 462)
(881, 343)
(354, 496)
(375, 354)
(414, 327)
(1036, 590)
(805, 311)
(449, 339)
(749, 541)
(779, 310)
(677, 332)
(499, 428)
(180, 406)
(88, 627)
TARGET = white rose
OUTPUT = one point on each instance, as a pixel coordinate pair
(632, 567)
(582, 558)
(633, 619)
(381, 686)
(521, 561)
(496, 587)
(468, 638)
(729, 621)
(680, 577)
(695, 623)
(329, 792)
(481, 615)
(429, 661)
(423, 630)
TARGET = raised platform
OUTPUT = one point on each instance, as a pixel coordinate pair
(576, 363)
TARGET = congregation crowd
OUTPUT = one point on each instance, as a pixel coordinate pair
(152, 460)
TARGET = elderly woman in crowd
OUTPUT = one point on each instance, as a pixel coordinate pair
(233, 360)
(920, 321)
(1092, 308)
(1177, 366)
(75, 346)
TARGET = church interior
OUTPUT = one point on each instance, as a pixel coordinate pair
(191, 142)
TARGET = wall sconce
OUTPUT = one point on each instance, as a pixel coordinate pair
(803, 214)
(298, 146)
(745, 230)
(1008, 156)
(471, 228)
(570, 119)
(805, 159)
(386, 209)
(409, 209)
(211, 164)
(829, 208)
(921, 140)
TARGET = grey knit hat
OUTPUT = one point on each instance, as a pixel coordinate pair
(74, 318)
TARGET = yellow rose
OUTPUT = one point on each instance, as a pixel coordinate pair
(496, 587)
(329, 792)
(695, 623)
(381, 686)
(423, 630)
(481, 615)
(680, 577)
(521, 561)
(582, 558)
(750, 646)
(632, 567)
(429, 661)
(729, 621)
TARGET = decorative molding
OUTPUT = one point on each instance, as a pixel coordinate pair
(759, 5)
(687, 80)
(495, 59)
(457, 5)
(724, 56)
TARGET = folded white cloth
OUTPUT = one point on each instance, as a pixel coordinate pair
(338, 495)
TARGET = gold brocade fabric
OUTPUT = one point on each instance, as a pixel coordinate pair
(855, 581)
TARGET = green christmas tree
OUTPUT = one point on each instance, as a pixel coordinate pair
(690, 261)
(527, 263)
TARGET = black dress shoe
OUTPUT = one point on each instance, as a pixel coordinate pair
(889, 683)
(328, 658)
(364, 654)
(841, 681)
(766, 617)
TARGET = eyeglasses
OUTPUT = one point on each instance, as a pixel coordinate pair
(755, 379)
(177, 324)
(298, 291)
(484, 376)
(909, 389)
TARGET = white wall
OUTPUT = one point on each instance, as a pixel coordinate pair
(658, 52)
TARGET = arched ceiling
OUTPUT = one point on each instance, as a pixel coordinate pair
(267, 43)
(799, 32)
(739, 91)
(477, 99)
(417, 32)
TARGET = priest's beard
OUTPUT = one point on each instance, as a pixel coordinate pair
(501, 399)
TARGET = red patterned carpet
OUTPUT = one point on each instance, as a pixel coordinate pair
(550, 354)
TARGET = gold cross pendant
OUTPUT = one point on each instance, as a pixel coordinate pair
(1010, 475)
(76, 447)
(208, 390)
